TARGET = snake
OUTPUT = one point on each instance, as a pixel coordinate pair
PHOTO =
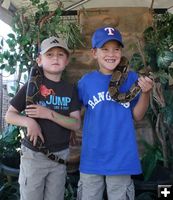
(34, 83)
(119, 75)
(35, 80)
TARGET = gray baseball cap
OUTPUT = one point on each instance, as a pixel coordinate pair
(53, 42)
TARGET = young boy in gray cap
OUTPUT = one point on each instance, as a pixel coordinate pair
(50, 119)
(109, 153)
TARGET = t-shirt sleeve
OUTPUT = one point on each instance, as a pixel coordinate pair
(80, 90)
(19, 100)
(75, 103)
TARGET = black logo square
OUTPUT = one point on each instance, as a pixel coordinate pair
(165, 192)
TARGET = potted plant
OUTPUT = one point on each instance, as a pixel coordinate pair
(9, 146)
(9, 162)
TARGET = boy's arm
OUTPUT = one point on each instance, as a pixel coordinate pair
(72, 122)
(141, 107)
(33, 129)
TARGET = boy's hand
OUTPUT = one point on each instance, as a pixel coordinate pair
(145, 83)
(73, 139)
(37, 111)
(34, 131)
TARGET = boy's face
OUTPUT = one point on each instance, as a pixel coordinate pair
(108, 56)
(53, 61)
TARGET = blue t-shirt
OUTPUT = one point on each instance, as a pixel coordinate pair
(108, 140)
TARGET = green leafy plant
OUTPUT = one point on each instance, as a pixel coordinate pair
(9, 191)
(9, 146)
(9, 159)
(30, 28)
(152, 156)
(156, 55)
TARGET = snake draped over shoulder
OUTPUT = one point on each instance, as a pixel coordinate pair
(34, 82)
(118, 77)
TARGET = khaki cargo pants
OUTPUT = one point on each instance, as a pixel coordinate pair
(41, 178)
(91, 187)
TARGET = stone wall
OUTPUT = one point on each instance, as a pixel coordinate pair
(130, 21)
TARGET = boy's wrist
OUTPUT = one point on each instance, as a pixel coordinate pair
(147, 92)
(28, 121)
(51, 115)
(146, 95)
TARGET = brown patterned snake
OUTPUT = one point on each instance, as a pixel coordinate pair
(118, 77)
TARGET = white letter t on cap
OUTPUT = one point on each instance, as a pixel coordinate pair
(110, 30)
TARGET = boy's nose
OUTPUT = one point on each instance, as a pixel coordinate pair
(111, 52)
(55, 57)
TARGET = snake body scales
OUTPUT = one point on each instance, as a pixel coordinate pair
(118, 77)
(34, 82)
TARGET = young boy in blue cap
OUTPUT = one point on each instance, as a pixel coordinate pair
(109, 153)
(51, 119)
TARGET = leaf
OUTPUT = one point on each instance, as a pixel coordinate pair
(2, 66)
(1, 43)
(165, 59)
(10, 94)
(13, 88)
(11, 35)
(25, 77)
(6, 54)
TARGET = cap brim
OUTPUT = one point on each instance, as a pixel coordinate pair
(54, 45)
(100, 44)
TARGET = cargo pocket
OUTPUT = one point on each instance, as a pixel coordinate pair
(22, 174)
(79, 190)
(130, 193)
(22, 178)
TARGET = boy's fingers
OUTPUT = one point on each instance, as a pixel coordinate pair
(41, 137)
(31, 106)
(148, 79)
(30, 138)
(35, 141)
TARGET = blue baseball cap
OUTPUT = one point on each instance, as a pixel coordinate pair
(105, 34)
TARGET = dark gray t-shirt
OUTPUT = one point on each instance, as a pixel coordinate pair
(61, 97)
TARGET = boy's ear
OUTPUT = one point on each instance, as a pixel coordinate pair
(93, 51)
(38, 60)
(67, 61)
